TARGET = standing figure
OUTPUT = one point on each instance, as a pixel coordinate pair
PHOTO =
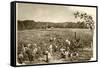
(20, 58)
(47, 56)
(29, 53)
(51, 49)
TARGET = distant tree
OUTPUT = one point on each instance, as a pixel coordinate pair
(81, 24)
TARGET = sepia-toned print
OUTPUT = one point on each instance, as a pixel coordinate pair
(54, 34)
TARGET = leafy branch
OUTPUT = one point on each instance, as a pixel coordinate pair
(87, 19)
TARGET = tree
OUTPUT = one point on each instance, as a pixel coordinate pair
(87, 19)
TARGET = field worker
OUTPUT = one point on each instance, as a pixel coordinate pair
(29, 53)
(35, 48)
(51, 49)
(67, 53)
(25, 55)
(67, 42)
(72, 46)
(55, 48)
(25, 49)
(20, 58)
(48, 56)
(91, 45)
(62, 52)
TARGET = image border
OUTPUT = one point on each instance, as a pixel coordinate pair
(13, 33)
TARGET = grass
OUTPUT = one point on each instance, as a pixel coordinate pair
(41, 37)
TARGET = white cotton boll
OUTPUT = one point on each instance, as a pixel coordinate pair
(35, 50)
(54, 38)
(49, 55)
(25, 49)
(51, 38)
(56, 46)
(20, 55)
(77, 54)
(67, 41)
(62, 49)
(45, 44)
(46, 52)
(29, 45)
(51, 49)
(67, 52)
(35, 45)
(50, 46)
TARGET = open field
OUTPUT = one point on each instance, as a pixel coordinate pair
(42, 37)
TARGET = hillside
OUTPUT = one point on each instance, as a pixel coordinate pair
(31, 24)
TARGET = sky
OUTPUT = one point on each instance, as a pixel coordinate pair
(50, 13)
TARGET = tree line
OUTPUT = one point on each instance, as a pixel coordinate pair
(31, 24)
